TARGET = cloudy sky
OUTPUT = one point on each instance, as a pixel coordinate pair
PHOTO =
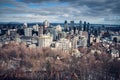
(93, 11)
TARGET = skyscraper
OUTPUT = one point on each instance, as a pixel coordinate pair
(35, 27)
(46, 24)
(25, 25)
(28, 31)
(89, 34)
(71, 25)
(84, 26)
(88, 27)
(66, 26)
(40, 31)
(80, 26)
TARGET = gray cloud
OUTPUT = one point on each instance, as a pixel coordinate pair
(90, 10)
(97, 5)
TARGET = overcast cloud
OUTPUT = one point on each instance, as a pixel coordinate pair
(93, 11)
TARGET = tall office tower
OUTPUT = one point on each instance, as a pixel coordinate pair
(89, 34)
(46, 24)
(28, 31)
(99, 30)
(74, 29)
(88, 27)
(84, 26)
(40, 31)
(66, 28)
(80, 26)
(71, 25)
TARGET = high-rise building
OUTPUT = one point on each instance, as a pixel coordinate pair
(76, 31)
(63, 44)
(55, 35)
(89, 34)
(35, 27)
(88, 27)
(25, 25)
(40, 31)
(99, 30)
(71, 25)
(28, 31)
(44, 41)
(17, 38)
(91, 29)
(84, 26)
(58, 28)
(66, 28)
(80, 26)
(74, 42)
(46, 24)
(71, 32)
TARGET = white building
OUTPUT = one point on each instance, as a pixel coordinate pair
(28, 31)
(40, 31)
(58, 28)
(44, 41)
(76, 31)
(55, 34)
(46, 24)
(63, 44)
(17, 38)
(35, 27)
(72, 32)
(74, 42)
(25, 25)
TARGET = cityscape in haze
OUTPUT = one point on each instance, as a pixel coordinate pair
(59, 40)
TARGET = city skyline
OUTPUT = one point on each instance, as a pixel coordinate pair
(93, 11)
